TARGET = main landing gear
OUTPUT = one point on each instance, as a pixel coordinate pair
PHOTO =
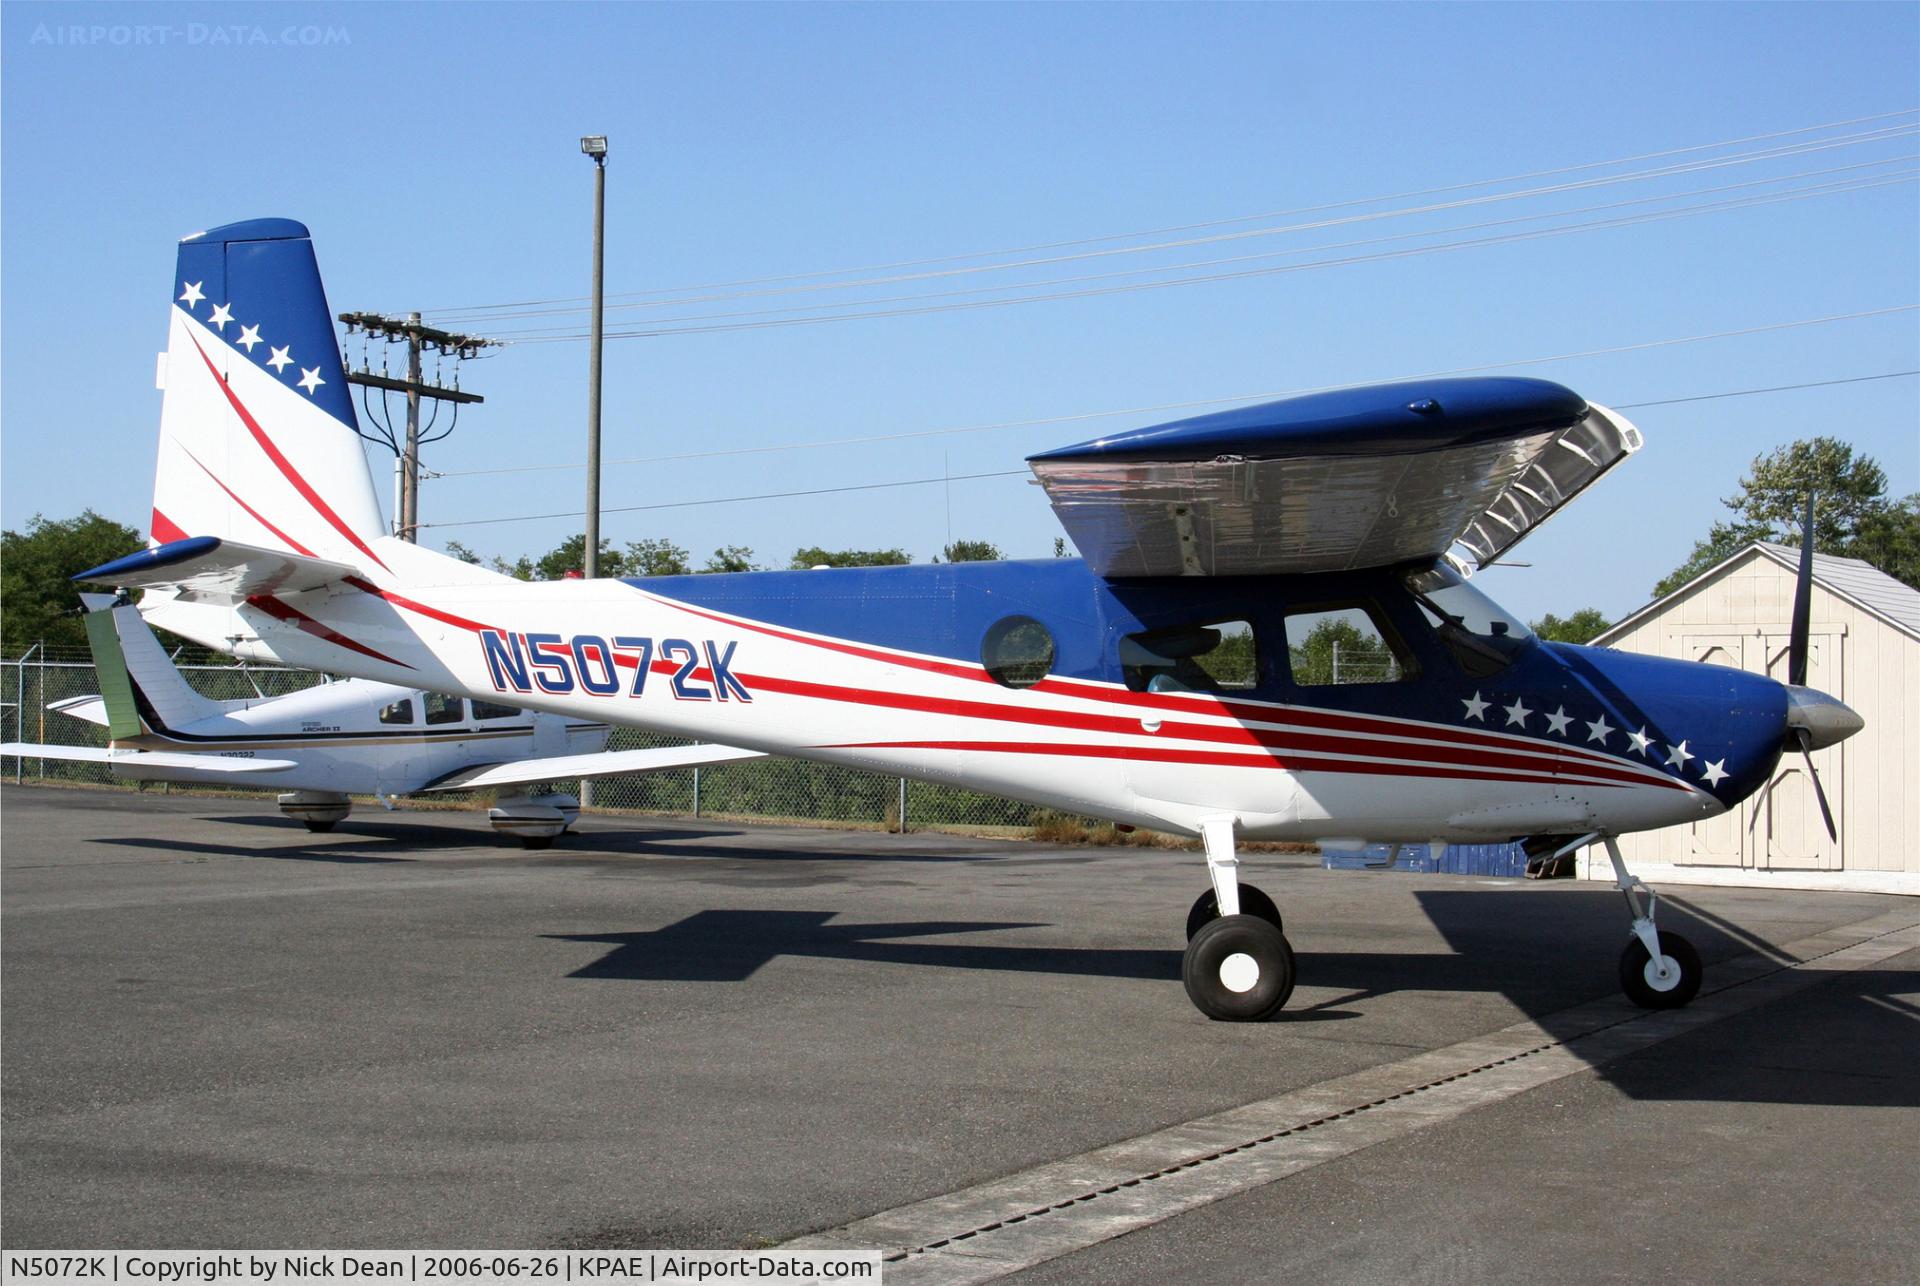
(1658, 970)
(1238, 966)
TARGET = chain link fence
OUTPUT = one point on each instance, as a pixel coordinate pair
(762, 790)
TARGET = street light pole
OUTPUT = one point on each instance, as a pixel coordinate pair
(595, 146)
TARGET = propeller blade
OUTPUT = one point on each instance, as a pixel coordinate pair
(1802, 603)
(1760, 801)
(1826, 814)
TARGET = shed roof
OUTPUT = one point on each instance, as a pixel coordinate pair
(1859, 583)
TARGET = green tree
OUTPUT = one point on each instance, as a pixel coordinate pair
(656, 558)
(972, 551)
(1852, 516)
(1890, 540)
(731, 558)
(457, 550)
(521, 568)
(1360, 656)
(814, 556)
(37, 594)
(571, 556)
(1578, 628)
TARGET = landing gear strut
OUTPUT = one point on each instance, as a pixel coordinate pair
(1658, 970)
(1238, 966)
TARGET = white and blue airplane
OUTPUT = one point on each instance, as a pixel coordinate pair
(324, 744)
(1162, 680)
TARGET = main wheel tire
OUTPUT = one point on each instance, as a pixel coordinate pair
(318, 828)
(536, 841)
(1206, 908)
(1644, 985)
(1238, 968)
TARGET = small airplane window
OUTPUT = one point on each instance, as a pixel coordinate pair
(1341, 645)
(1191, 658)
(1483, 637)
(494, 710)
(442, 708)
(1017, 651)
(400, 711)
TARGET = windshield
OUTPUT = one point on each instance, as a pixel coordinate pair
(1480, 633)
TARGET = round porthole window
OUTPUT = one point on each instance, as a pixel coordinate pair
(1017, 651)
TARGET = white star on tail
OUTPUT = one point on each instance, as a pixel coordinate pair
(310, 380)
(280, 359)
(1716, 772)
(1476, 708)
(1558, 721)
(249, 336)
(1516, 713)
(1640, 740)
(1677, 756)
(222, 314)
(1599, 730)
(192, 294)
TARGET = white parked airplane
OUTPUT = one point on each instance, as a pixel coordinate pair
(1165, 679)
(352, 737)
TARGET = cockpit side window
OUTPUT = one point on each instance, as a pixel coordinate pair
(400, 711)
(442, 708)
(1345, 643)
(1219, 656)
(1482, 636)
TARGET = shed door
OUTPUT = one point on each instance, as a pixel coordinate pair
(1789, 834)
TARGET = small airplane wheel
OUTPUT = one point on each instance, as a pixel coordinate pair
(1667, 987)
(536, 841)
(318, 828)
(1253, 902)
(1238, 968)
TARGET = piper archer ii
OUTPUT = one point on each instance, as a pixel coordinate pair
(1152, 682)
(354, 737)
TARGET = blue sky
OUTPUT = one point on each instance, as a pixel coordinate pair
(433, 151)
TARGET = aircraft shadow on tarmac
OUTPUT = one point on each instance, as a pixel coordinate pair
(343, 849)
(1847, 1049)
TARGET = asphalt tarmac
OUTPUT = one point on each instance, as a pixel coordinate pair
(217, 1030)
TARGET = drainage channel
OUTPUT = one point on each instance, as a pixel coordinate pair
(990, 1230)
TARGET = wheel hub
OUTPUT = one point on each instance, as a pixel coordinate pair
(1239, 972)
(1662, 973)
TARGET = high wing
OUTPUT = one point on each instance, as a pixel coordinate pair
(616, 763)
(1361, 477)
(132, 761)
(211, 569)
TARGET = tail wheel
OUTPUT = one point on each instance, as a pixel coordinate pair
(1206, 908)
(1238, 968)
(1666, 984)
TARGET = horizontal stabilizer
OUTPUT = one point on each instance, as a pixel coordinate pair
(1360, 477)
(616, 763)
(129, 763)
(210, 569)
(93, 709)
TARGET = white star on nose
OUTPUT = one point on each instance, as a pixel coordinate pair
(1677, 756)
(310, 380)
(1476, 708)
(192, 294)
(1516, 713)
(1599, 730)
(222, 314)
(1715, 772)
(280, 358)
(1558, 721)
(249, 336)
(1640, 740)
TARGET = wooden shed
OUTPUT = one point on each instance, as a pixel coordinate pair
(1865, 650)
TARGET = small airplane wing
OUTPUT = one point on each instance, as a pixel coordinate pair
(616, 763)
(132, 761)
(211, 569)
(1361, 477)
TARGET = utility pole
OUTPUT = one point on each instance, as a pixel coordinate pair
(595, 146)
(418, 338)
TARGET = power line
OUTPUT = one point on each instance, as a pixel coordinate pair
(1267, 395)
(661, 330)
(1188, 227)
(1015, 473)
(527, 333)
